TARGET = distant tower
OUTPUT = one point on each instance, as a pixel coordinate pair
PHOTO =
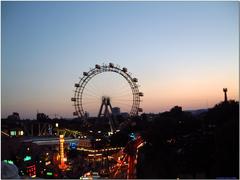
(225, 94)
(62, 164)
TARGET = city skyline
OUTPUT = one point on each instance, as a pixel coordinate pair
(183, 53)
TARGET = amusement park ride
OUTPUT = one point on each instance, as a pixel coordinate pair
(62, 164)
(129, 160)
(79, 97)
(129, 154)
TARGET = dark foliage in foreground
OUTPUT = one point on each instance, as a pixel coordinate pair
(186, 146)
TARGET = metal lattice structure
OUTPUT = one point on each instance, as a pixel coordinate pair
(87, 76)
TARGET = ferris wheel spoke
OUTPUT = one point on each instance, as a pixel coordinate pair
(120, 90)
(88, 89)
(91, 92)
(91, 96)
(93, 87)
(122, 95)
(90, 104)
(123, 100)
(96, 101)
(127, 104)
(124, 86)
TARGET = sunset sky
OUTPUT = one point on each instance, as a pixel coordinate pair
(183, 53)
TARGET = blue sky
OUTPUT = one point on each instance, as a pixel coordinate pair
(183, 53)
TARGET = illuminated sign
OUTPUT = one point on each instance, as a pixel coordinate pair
(49, 173)
(13, 133)
(132, 136)
(85, 143)
(27, 158)
(31, 170)
(73, 145)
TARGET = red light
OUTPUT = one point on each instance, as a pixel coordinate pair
(55, 174)
(31, 170)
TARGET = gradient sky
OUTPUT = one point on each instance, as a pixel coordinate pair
(183, 53)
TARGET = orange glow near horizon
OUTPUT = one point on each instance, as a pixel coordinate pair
(196, 98)
(153, 101)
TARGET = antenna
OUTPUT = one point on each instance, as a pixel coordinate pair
(225, 94)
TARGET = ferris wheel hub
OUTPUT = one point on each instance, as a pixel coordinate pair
(106, 98)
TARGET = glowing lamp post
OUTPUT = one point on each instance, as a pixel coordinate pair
(62, 165)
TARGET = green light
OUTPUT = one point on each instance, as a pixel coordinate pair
(13, 133)
(27, 158)
(8, 161)
(49, 173)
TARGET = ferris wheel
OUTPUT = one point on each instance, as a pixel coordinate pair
(104, 88)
